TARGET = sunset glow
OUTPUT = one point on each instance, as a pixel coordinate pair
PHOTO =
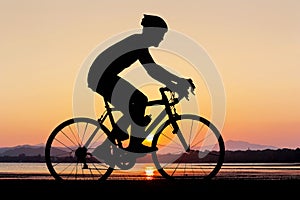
(254, 46)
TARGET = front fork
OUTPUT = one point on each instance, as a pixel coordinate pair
(176, 130)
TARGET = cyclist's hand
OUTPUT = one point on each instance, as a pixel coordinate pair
(192, 86)
(183, 86)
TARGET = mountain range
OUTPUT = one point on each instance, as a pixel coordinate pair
(39, 149)
(234, 145)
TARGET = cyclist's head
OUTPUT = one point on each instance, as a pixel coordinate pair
(153, 21)
(154, 28)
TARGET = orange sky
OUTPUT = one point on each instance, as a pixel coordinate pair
(254, 46)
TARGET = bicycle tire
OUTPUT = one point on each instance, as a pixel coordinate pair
(68, 158)
(201, 159)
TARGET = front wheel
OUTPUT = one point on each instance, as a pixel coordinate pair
(70, 149)
(196, 151)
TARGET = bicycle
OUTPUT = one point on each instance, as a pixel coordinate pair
(189, 145)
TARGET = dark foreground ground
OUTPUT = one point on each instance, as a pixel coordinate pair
(145, 189)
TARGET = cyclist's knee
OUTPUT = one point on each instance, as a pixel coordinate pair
(138, 101)
(137, 106)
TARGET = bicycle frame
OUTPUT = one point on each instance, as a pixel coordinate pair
(108, 113)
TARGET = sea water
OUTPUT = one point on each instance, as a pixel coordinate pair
(148, 170)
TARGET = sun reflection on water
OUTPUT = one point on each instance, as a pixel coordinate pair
(149, 171)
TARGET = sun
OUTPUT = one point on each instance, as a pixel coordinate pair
(149, 171)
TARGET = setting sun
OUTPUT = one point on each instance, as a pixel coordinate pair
(149, 171)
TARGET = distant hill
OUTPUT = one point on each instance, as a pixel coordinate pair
(34, 150)
(236, 151)
(233, 145)
(28, 150)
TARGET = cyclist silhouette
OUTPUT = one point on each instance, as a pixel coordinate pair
(104, 79)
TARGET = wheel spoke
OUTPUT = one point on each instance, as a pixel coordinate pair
(203, 161)
(68, 159)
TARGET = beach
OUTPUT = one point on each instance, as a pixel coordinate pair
(227, 184)
(232, 181)
(150, 188)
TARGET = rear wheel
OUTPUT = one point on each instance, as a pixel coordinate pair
(70, 148)
(203, 156)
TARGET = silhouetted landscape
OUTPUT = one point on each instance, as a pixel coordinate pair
(263, 186)
(35, 153)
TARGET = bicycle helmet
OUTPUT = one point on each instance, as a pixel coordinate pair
(153, 21)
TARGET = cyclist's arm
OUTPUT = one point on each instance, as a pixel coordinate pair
(156, 71)
(173, 82)
(161, 74)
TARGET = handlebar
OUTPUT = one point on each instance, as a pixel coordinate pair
(164, 99)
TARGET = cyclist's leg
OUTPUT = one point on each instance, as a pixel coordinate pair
(137, 107)
(108, 88)
(120, 130)
(128, 100)
(132, 103)
(133, 107)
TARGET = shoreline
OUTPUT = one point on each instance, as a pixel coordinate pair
(223, 175)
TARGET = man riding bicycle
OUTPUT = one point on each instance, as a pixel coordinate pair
(104, 79)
